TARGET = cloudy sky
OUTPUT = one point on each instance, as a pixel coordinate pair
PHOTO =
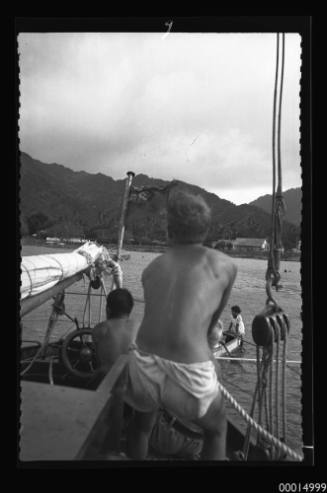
(194, 107)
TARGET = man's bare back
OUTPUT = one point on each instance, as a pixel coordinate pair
(112, 338)
(185, 291)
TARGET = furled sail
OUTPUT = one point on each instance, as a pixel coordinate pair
(41, 272)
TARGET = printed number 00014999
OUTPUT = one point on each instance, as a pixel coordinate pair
(307, 487)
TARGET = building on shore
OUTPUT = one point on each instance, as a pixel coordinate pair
(52, 240)
(74, 241)
(251, 245)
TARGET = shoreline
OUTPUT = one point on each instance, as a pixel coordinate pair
(28, 241)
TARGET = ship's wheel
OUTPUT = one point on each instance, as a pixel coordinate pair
(78, 353)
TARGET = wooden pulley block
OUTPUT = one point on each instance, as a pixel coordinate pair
(283, 325)
(59, 305)
(96, 283)
(269, 326)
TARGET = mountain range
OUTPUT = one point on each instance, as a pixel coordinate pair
(62, 202)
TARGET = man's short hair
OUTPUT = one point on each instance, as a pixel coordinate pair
(189, 217)
(236, 309)
(119, 302)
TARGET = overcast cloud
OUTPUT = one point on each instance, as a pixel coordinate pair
(194, 107)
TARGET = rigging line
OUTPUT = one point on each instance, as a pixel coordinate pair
(274, 149)
(284, 383)
(266, 435)
(277, 386)
(267, 415)
(90, 312)
(250, 343)
(270, 393)
(86, 302)
(32, 362)
(51, 371)
(253, 360)
(294, 370)
(259, 380)
(101, 299)
(279, 116)
(246, 443)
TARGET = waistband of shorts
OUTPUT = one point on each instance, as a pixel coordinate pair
(196, 364)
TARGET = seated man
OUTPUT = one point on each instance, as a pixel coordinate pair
(113, 336)
(172, 367)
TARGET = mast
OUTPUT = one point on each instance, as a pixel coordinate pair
(128, 183)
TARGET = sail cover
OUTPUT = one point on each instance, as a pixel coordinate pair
(41, 272)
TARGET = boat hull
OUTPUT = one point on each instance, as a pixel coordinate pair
(228, 347)
(50, 412)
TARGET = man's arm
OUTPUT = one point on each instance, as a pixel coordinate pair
(230, 327)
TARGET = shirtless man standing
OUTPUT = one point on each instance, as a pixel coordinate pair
(185, 291)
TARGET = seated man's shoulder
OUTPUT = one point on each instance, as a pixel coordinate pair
(100, 328)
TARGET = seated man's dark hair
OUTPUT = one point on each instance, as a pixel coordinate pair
(189, 217)
(119, 302)
(236, 309)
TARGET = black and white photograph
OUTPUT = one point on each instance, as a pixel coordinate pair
(161, 232)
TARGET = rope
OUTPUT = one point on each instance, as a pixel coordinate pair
(267, 411)
(280, 115)
(270, 395)
(262, 383)
(259, 386)
(268, 436)
(101, 298)
(250, 343)
(276, 386)
(90, 308)
(32, 362)
(86, 302)
(284, 418)
(51, 371)
(246, 445)
(234, 358)
(278, 205)
(271, 258)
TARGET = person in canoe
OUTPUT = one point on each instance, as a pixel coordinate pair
(236, 326)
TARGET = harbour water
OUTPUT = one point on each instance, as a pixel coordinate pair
(248, 292)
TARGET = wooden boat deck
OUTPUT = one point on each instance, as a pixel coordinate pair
(57, 422)
(68, 423)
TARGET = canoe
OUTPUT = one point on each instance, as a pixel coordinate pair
(225, 349)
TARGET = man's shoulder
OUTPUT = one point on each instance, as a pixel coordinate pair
(101, 327)
(221, 260)
(155, 262)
